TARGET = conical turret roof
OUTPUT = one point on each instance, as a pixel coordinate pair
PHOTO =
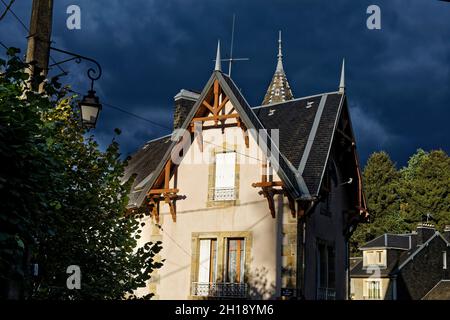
(279, 89)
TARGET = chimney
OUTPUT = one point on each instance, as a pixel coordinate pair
(184, 101)
(446, 233)
(424, 232)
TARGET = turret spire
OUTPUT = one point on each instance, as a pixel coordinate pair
(218, 66)
(280, 54)
(279, 89)
(342, 82)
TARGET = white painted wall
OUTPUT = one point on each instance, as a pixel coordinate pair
(251, 214)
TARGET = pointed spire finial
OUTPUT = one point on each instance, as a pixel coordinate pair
(342, 82)
(280, 54)
(218, 66)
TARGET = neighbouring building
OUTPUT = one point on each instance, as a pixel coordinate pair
(251, 202)
(404, 266)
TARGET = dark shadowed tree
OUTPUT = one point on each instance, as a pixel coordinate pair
(62, 200)
(381, 184)
(425, 188)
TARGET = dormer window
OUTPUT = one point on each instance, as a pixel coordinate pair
(374, 258)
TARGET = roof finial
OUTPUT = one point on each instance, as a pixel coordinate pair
(218, 66)
(342, 82)
(280, 55)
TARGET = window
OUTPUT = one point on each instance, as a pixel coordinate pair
(444, 260)
(374, 289)
(207, 271)
(225, 175)
(235, 260)
(326, 277)
(218, 262)
(374, 258)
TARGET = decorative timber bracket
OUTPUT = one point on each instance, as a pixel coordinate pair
(270, 188)
(214, 113)
(162, 192)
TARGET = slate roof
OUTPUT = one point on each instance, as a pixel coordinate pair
(143, 163)
(441, 291)
(400, 241)
(279, 89)
(295, 120)
(358, 271)
(306, 133)
(400, 244)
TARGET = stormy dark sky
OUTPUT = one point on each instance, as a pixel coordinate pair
(398, 78)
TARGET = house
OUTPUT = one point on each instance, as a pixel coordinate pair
(403, 266)
(251, 202)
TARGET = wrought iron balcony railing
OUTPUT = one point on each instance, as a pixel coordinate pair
(221, 194)
(220, 289)
(326, 294)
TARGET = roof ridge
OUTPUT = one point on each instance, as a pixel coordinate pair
(296, 99)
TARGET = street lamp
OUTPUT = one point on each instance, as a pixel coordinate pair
(90, 108)
(90, 104)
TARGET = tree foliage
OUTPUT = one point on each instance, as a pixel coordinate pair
(399, 199)
(381, 183)
(425, 188)
(62, 200)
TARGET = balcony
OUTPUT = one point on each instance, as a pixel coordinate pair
(326, 294)
(219, 290)
(224, 194)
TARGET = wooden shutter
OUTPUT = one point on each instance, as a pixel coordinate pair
(204, 260)
(225, 170)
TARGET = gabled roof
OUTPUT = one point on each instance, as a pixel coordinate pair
(407, 245)
(306, 131)
(144, 182)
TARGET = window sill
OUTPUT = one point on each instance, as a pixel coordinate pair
(222, 203)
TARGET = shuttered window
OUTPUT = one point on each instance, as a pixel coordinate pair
(207, 261)
(225, 176)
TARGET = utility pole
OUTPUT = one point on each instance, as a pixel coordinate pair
(38, 53)
(38, 49)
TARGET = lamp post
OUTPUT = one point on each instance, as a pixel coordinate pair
(90, 106)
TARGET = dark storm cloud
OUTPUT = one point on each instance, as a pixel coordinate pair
(398, 77)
